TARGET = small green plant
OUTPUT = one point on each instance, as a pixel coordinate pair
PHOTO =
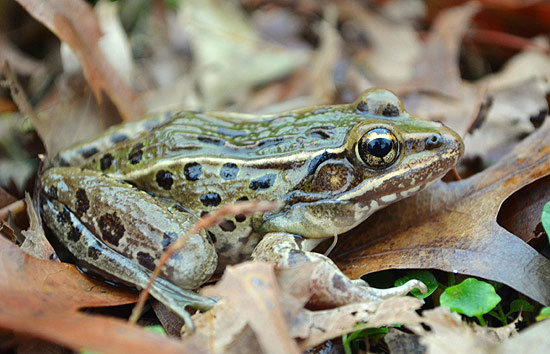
(472, 298)
(544, 314)
(351, 341)
(424, 276)
(158, 329)
(545, 219)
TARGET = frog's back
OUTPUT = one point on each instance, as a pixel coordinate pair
(190, 135)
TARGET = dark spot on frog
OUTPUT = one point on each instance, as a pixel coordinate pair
(363, 106)
(94, 252)
(338, 282)
(229, 171)
(167, 239)
(146, 260)
(74, 234)
(192, 171)
(240, 218)
(319, 133)
(165, 179)
(136, 153)
(227, 225)
(296, 257)
(265, 143)
(82, 203)
(390, 110)
(51, 192)
(64, 216)
(212, 236)
(106, 161)
(263, 182)
(242, 199)
(211, 199)
(88, 151)
(204, 213)
(118, 138)
(111, 228)
(211, 140)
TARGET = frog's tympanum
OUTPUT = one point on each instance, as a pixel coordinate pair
(116, 202)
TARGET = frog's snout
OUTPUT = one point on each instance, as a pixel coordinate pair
(451, 143)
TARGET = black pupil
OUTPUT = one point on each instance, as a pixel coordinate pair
(379, 147)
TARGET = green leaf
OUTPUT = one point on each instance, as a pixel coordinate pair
(520, 305)
(424, 276)
(364, 334)
(545, 219)
(158, 329)
(544, 314)
(472, 298)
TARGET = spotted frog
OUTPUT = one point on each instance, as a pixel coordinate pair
(115, 203)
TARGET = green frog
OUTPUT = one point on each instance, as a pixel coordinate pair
(118, 201)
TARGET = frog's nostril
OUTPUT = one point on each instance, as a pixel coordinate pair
(433, 141)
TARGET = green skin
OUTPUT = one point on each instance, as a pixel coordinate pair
(118, 201)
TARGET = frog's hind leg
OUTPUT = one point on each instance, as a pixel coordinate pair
(330, 287)
(122, 231)
(102, 259)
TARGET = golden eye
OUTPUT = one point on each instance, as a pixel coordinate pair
(378, 148)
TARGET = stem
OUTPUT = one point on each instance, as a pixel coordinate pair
(481, 320)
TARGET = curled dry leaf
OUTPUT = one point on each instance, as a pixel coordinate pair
(35, 242)
(252, 289)
(75, 23)
(42, 299)
(315, 327)
(453, 227)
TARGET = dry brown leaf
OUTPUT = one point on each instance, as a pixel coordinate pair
(318, 326)
(252, 289)
(448, 334)
(75, 23)
(35, 242)
(42, 299)
(453, 227)
(224, 330)
(233, 324)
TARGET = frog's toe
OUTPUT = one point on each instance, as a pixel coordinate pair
(380, 294)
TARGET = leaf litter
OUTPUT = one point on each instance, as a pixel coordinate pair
(450, 226)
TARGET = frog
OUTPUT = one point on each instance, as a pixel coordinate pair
(116, 202)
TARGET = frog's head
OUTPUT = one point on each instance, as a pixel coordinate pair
(386, 156)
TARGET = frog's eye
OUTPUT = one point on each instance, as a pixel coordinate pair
(378, 148)
(380, 102)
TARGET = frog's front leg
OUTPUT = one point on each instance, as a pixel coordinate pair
(113, 227)
(330, 287)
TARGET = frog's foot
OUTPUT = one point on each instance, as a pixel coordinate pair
(95, 256)
(330, 287)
